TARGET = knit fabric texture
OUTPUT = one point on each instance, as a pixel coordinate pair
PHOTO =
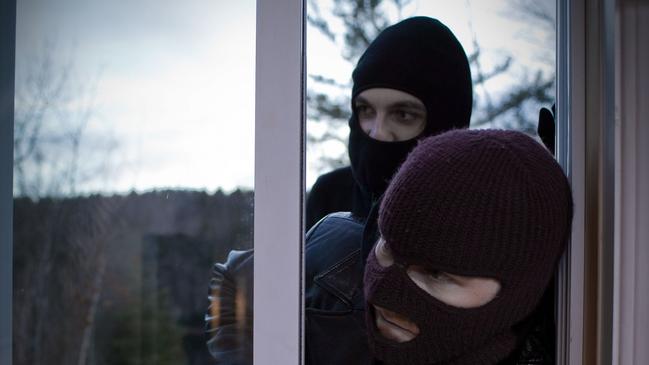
(485, 203)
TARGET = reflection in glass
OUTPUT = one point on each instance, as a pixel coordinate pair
(133, 174)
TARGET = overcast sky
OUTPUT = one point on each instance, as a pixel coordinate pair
(176, 84)
(176, 78)
(500, 30)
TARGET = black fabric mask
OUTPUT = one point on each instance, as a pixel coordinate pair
(373, 161)
(419, 56)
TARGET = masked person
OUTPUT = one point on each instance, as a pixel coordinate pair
(471, 229)
(419, 57)
(413, 81)
(428, 92)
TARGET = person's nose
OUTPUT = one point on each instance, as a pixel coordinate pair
(381, 130)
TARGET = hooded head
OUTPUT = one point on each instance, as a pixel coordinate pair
(485, 204)
(421, 57)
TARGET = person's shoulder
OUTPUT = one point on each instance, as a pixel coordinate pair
(335, 223)
(340, 176)
(333, 238)
(345, 216)
(333, 268)
(345, 171)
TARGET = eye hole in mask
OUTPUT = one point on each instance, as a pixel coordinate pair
(390, 115)
(455, 290)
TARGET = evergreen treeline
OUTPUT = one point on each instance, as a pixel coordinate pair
(120, 279)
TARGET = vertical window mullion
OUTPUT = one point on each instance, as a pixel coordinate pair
(570, 116)
(279, 182)
(7, 76)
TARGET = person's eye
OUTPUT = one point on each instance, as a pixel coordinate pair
(435, 274)
(432, 277)
(406, 116)
(454, 290)
(363, 110)
(438, 276)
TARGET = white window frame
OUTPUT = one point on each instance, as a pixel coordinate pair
(279, 183)
(279, 179)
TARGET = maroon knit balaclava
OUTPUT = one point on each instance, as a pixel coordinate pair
(483, 203)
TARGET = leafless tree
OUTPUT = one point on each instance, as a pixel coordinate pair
(55, 111)
(59, 245)
(328, 99)
(60, 265)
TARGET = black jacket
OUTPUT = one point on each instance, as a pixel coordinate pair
(331, 192)
(336, 191)
(334, 302)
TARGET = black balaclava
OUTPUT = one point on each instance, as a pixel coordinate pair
(481, 203)
(419, 56)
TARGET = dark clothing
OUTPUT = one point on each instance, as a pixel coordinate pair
(229, 339)
(421, 57)
(481, 203)
(333, 299)
(374, 161)
(332, 192)
(334, 303)
(336, 191)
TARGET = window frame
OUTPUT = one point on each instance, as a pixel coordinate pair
(279, 180)
(586, 140)
(7, 82)
(279, 177)
(279, 183)
(569, 153)
(631, 313)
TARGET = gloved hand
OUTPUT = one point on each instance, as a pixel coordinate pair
(546, 128)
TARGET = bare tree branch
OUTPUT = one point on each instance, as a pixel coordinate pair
(538, 12)
(537, 90)
(363, 20)
(54, 113)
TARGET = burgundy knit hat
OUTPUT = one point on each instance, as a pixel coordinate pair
(484, 203)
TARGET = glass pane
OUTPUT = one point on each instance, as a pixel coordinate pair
(510, 45)
(134, 164)
(510, 50)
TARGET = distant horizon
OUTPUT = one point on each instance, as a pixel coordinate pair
(108, 194)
